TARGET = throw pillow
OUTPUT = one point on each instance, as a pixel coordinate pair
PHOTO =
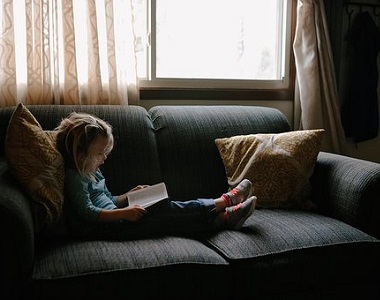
(34, 160)
(279, 165)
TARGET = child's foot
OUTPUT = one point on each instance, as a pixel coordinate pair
(238, 194)
(235, 216)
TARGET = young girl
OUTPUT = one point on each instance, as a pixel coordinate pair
(85, 141)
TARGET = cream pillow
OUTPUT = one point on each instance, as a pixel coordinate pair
(279, 165)
(34, 160)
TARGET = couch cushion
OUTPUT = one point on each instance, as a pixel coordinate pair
(288, 250)
(278, 165)
(276, 231)
(79, 258)
(139, 269)
(190, 162)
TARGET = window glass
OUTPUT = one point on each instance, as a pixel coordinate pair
(233, 42)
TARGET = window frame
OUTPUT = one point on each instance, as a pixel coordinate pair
(160, 89)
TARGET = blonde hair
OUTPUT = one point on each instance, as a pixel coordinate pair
(76, 133)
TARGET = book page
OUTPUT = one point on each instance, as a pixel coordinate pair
(148, 196)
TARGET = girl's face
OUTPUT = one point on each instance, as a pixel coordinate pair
(98, 152)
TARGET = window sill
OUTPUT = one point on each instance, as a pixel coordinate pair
(215, 94)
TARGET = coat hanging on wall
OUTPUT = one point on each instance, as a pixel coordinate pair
(359, 111)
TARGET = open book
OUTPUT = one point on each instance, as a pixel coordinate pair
(148, 196)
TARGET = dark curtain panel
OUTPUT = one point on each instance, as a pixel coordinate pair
(334, 15)
(359, 109)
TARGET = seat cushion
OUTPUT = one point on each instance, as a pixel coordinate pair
(78, 258)
(278, 251)
(277, 231)
(141, 269)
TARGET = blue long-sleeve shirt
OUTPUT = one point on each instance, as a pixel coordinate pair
(86, 198)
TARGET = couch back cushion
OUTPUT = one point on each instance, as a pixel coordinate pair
(190, 162)
(134, 159)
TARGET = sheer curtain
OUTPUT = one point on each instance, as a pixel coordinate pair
(316, 100)
(67, 52)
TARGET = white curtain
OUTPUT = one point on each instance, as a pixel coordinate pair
(67, 52)
(316, 100)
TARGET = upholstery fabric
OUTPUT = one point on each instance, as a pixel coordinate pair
(282, 252)
(14, 205)
(340, 177)
(105, 256)
(278, 165)
(35, 161)
(190, 163)
(271, 231)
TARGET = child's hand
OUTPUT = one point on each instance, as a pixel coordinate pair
(132, 213)
(123, 199)
(139, 187)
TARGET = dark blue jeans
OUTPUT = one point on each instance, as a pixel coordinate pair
(166, 217)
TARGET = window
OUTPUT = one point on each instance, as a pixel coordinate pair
(214, 44)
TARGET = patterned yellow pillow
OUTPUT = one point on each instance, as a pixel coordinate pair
(279, 165)
(34, 160)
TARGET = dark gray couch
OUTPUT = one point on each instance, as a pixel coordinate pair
(279, 254)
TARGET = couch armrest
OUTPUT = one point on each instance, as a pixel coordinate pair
(348, 189)
(16, 232)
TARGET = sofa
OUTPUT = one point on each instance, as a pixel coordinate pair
(329, 252)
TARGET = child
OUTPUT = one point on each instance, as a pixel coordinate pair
(85, 141)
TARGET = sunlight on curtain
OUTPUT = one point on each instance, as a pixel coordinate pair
(316, 101)
(67, 52)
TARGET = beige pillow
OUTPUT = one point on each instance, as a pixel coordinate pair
(34, 160)
(279, 165)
